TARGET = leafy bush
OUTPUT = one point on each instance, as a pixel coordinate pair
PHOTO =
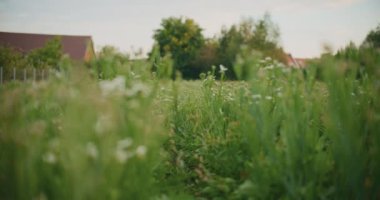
(48, 56)
(22, 65)
(182, 39)
(284, 136)
(75, 138)
(249, 35)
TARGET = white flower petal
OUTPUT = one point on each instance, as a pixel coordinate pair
(141, 151)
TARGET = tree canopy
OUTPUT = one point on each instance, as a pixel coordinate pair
(250, 35)
(182, 39)
(373, 38)
(192, 53)
(47, 56)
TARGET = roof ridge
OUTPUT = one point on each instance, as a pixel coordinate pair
(45, 34)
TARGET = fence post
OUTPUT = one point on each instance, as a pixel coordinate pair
(24, 74)
(34, 74)
(14, 73)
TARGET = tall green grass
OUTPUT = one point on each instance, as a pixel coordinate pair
(76, 138)
(281, 134)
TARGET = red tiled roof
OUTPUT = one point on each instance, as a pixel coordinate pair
(74, 46)
(296, 62)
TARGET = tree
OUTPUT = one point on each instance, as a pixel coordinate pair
(182, 39)
(249, 35)
(364, 59)
(163, 66)
(10, 59)
(47, 56)
(108, 61)
(206, 58)
(373, 38)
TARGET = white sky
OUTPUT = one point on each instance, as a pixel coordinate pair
(129, 24)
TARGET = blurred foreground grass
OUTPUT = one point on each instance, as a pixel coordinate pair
(282, 134)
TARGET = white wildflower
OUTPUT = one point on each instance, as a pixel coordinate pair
(268, 58)
(270, 67)
(229, 97)
(125, 143)
(91, 150)
(103, 124)
(122, 155)
(286, 70)
(135, 76)
(58, 74)
(256, 96)
(268, 97)
(141, 151)
(115, 86)
(138, 88)
(281, 65)
(222, 69)
(50, 158)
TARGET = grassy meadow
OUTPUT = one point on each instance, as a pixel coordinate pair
(282, 134)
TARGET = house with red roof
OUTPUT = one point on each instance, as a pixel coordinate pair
(77, 47)
(296, 62)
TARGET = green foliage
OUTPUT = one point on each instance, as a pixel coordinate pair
(285, 135)
(107, 62)
(262, 36)
(163, 66)
(246, 64)
(9, 59)
(193, 55)
(205, 59)
(373, 38)
(45, 58)
(48, 56)
(360, 59)
(182, 39)
(76, 138)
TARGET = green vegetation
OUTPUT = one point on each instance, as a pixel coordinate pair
(181, 39)
(193, 54)
(249, 35)
(48, 57)
(116, 130)
(373, 38)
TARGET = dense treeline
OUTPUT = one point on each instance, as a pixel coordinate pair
(193, 54)
(181, 48)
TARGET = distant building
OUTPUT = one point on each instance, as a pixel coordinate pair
(296, 62)
(79, 48)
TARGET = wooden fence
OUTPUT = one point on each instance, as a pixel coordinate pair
(25, 74)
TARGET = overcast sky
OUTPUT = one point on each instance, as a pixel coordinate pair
(128, 24)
